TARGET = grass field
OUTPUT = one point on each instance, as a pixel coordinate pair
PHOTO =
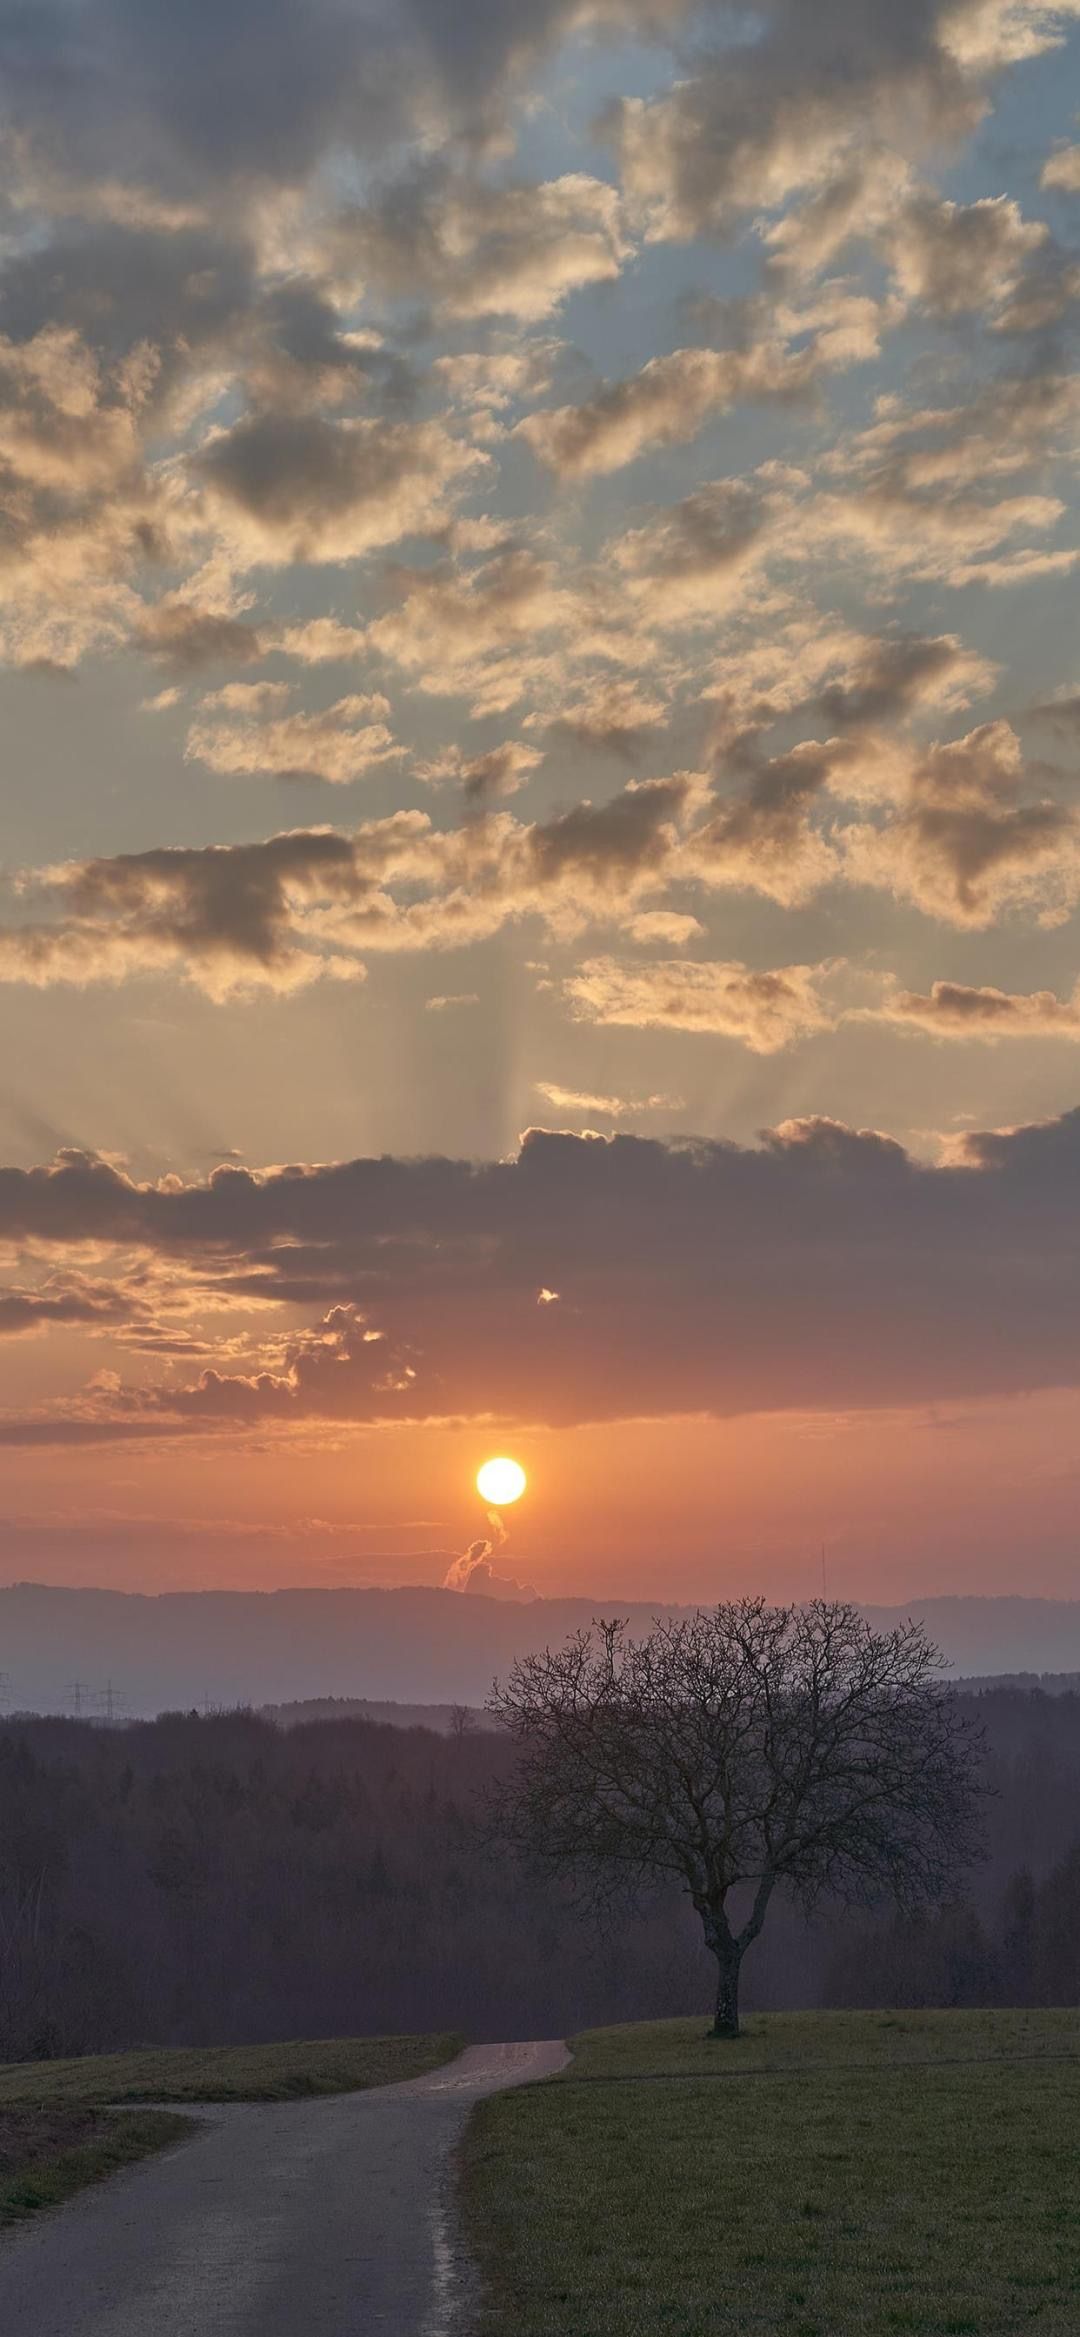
(57, 2133)
(46, 2154)
(831, 2175)
(226, 2073)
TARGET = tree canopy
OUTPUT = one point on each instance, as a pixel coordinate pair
(741, 1750)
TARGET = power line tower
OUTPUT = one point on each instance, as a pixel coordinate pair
(79, 1696)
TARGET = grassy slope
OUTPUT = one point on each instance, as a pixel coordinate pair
(227, 2073)
(56, 2135)
(46, 2154)
(868, 2174)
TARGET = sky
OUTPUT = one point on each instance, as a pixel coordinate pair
(540, 852)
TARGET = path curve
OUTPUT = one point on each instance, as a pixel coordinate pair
(318, 2218)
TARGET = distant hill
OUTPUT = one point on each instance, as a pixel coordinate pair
(409, 1646)
(1047, 1683)
(445, 1719)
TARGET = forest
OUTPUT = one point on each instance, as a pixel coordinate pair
(217, 1878)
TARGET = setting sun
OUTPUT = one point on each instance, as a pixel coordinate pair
(500, 1482)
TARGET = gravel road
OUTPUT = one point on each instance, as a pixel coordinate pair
(292, 2219)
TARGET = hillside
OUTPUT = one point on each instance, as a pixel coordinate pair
(418, 1646)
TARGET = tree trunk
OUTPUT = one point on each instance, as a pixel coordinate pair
(726, 2023)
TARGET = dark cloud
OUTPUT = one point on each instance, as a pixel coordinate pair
(80, 1303)
(307, 904)
(966, 845)
(764, 837)
(825, 1268)
(189, 101)
(783, 105)
(186, 638)
(303, 487)
(182, 292)
(895, 674)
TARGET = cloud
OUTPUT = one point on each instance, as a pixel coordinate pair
(320, 641)
(802, 668)
(80, 508)
(693, 1277)
(764, 839)
(691, 561)
(476, 249)
(66, 1301)
(669, 400)
(1060, 714)
(606, 1107)
(934, 533)
(490, 380)
(766, 1011)
(338, 745)
(964, 846)
(954, 258)
(672, 928)
(485, 778)
(303, 488)
(1007, 424)
(186, 638)
(170, 118)
(474, 1572)
(613, 716)
(769, 114)
(487, 634)
(309, 904)
(1062, 171)
(956, 1010)
(920, 494)
(228, 918)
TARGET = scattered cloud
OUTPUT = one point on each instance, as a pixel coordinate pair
(605, 1107)
(765, 1011)
(1062, 170)
(475, 249)
(957, 1010)
(179, 635)
(339, 745)
(502, 771)
(965, 845)
(668, 401)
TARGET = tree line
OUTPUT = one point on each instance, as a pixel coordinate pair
(214, 1878)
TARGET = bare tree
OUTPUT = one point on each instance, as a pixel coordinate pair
(738, 1751)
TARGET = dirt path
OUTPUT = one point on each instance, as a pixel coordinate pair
(297, 2219)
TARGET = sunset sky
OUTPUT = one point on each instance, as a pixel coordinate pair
(541, 846)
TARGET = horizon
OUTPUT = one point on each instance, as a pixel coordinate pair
(87, 1653)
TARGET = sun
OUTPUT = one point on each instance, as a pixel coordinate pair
(500, 1482)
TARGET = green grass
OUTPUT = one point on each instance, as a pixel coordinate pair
(47, 2153)
(831, 2175)
(226, 2073)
